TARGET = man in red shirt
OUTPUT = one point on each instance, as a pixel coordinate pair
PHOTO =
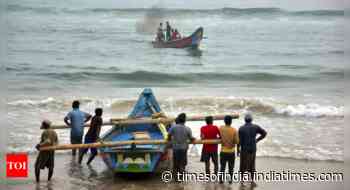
(210, 131)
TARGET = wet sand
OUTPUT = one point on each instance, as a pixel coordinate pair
(69, 175)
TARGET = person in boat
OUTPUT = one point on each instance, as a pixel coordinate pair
(168, 31)
(46, 158)
(76, 120)
(93, 135)
(173, 35)
(177, 35)
(160, 33)
(210, 151)
(247, 146)
(180, 135)
(229, 138)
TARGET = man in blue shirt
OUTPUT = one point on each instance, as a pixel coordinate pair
(76, 120)
(247, 146)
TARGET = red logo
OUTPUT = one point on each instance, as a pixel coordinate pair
(17, 165)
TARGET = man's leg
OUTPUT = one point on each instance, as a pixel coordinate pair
(182, 163)
(222, 166)
(175, 162)
(50, 174)
(242, 166)
(80, 141)
(92, 156)
(207, 166)
(215, 161)
(81, 154)
(74, 140)
(37, 172)
(231, 165)
(252, 168)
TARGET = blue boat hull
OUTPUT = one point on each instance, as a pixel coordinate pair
(137, 158)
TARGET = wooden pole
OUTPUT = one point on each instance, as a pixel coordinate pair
(166, 120)
(119, 143)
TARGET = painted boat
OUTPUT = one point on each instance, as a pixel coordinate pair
(138, 158)
(192, 41)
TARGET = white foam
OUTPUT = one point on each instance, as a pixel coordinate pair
(27, 102)
(311, 110)
(204, 104)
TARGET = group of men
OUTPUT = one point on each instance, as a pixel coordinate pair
(245, 140)
(179, 136)
(76, 120)
(170, 33)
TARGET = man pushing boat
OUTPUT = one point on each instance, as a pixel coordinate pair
(180, 135)
(92, 136)
(46, 158)
(76, 120)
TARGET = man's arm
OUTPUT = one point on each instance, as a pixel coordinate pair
(262, 134)
(239, 143)
(67, 119)
(202, 134)
(99, 125)
(236, 138)
(170, 133)
(218, 136)
(190, 136)
(87, 117)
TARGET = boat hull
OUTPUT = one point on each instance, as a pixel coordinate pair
(138, 158)
(192, 41)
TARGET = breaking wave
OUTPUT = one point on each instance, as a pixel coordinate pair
(198, 105)
(146, 77)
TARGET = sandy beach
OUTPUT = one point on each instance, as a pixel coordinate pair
(68, 175)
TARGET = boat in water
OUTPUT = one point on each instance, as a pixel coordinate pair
(192, 41)
(139, 158)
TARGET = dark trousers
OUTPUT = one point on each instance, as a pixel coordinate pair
(83, 151)
(247, 163)
(76, 140)
(206, 156)
(227, 158)
(179, 160)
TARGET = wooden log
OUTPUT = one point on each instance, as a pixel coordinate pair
(130, 121)
(119, 143)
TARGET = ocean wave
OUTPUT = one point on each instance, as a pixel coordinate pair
(210, 105)
(310, 110)
(154, 77)
(28, 102)
(181, 12)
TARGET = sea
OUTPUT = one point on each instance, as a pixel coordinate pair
(286, 67)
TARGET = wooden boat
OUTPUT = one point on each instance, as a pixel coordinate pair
(139, 158)
(137, 144)
(192, 41)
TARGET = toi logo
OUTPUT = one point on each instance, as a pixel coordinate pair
(17, 165)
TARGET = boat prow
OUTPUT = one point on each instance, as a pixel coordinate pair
(137, 158)
(192, 41)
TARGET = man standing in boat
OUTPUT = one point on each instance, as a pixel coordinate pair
(92, 135)
(46, 158)
(210, 151)
(179, 136)
(168, 31)
(76, 120)
(160, 33)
